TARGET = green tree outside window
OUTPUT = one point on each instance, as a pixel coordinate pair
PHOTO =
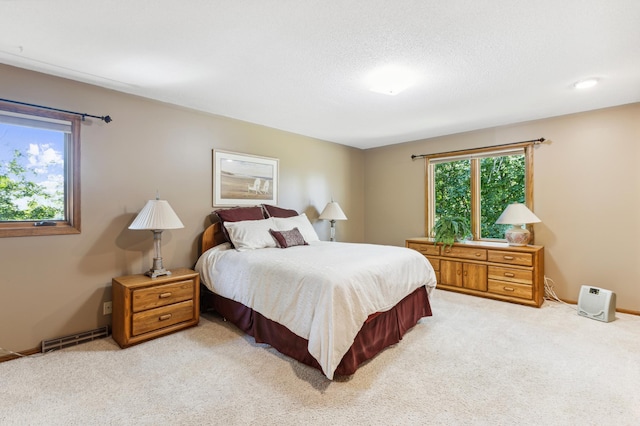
(500, 179)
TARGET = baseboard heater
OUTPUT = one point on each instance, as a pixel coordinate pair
(74, 339)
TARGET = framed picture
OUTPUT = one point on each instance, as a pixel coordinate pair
(244, 180)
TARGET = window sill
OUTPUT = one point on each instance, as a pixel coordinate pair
(29, 230)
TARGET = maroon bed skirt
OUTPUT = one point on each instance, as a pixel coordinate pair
(380, 330)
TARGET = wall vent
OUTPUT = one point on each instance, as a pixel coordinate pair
(74, 339)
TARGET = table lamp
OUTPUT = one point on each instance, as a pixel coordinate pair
(332, 212)
(517, 214)
(156, 216)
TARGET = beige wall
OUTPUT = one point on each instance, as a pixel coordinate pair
(54, 286)
(586, 192)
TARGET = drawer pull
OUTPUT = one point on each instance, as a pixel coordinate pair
(164, 317)
(509, 274)
(165, 295)
(508, 258)
(509, 289)
(478, 254)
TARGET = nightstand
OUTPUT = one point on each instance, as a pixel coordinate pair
(145, 308)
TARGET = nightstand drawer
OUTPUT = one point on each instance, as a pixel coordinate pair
(465, 253)
(522, 276)
(513, 258)
(158, 318)
(162, 295)
(510, 289)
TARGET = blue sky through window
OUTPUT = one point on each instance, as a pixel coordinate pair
(42, 156)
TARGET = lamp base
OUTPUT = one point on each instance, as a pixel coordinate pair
(157, 270)
(517, 236)
(154, 273)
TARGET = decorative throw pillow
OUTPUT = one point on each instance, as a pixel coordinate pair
(301, 222)
(289, 238)
(274, 211)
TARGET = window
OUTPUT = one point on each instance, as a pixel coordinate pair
(477, 185)
(39, 171)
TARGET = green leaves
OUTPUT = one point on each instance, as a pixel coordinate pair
(448, 229)
(22, 199)
(501, 182)
(453, 189)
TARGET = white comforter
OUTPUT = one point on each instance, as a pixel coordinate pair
(322, 292)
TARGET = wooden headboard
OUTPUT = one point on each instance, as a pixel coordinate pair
(212, 236)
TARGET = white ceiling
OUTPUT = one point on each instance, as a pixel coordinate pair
(301, 65)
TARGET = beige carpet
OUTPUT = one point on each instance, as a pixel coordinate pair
(476, 361)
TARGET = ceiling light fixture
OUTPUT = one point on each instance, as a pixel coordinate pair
(390, 80)
(585, 84)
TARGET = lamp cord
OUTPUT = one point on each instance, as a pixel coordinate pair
(550, 293)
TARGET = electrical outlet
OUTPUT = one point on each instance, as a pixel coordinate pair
(107, 308)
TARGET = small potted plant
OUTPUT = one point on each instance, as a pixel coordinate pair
(449, 229)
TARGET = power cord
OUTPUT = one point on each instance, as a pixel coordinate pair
(11, 352)
(18, 353)
(550, 293)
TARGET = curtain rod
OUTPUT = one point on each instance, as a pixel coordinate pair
(104, 118)
(535, 142)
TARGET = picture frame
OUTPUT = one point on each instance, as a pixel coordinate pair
(244, 179)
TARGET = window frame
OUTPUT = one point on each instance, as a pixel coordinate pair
(72, 221)
(475, 155)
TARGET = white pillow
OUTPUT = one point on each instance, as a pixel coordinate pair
(301, 222)
(251, 234)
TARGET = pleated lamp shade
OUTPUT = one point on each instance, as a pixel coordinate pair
(157, 214)
(332, 211)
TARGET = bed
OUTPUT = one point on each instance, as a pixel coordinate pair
(329, 305)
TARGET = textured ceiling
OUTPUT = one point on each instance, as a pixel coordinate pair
(301, 65)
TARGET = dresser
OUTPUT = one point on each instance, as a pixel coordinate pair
(145, 308)
(494, 270)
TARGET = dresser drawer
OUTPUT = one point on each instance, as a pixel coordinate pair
(510, 289)
(426, 249)
(522, 276)
(158, 318)
(487, 268)
(465, 253)
(434, 262)
(162, 295)
(510, 257)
